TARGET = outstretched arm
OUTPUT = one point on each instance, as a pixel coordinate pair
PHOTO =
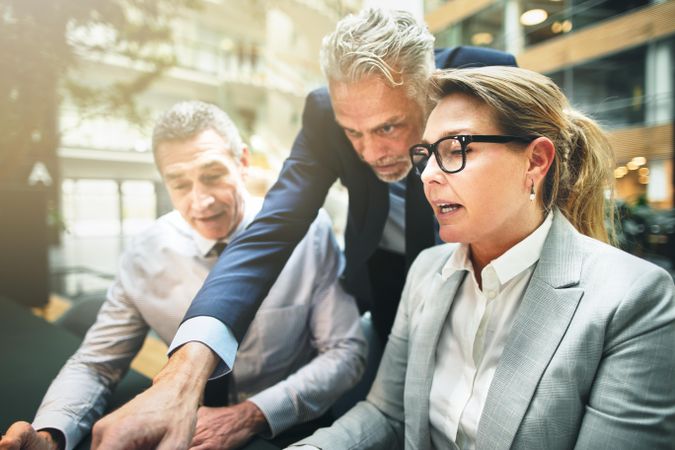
(164, 416)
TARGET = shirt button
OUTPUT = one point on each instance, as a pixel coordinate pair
(491, 295)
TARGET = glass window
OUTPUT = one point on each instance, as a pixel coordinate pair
(590, 12)
(559, 78)
(612, 89)
(633, 87)
(91, 207)
(483, 29)
(545, 20)
(139, 206)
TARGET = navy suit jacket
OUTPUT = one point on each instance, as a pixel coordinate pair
(320, 155)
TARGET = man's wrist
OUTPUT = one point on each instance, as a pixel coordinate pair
(192, 362)
(186, 372)
(255, 420)
(53, 437)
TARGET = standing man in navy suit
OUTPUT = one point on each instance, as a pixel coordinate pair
(358, 130)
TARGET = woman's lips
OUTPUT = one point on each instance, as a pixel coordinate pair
(445, 208)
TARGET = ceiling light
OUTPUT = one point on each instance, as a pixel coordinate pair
(639, 160)
(632, 165)
(643, 171)
(533, 17)
(566, 26)
(482, 39)
(619, 172)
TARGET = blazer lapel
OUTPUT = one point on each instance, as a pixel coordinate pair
(547, 307)
(425, 331)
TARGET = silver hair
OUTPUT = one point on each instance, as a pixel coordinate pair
(187, 119)
(386, 43)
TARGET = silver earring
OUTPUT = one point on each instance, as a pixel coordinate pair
(533, 195)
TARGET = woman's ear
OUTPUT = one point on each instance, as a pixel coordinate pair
(540, 156)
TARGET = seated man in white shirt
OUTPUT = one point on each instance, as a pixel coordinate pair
(303, 349)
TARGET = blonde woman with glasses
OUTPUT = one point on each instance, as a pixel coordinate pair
(527, 330)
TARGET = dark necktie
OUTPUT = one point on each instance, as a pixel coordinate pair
(218, 248)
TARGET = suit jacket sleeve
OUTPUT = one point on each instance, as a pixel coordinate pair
(632, 402)
(241, 279)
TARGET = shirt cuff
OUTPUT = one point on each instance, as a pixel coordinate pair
(214, 334)
(61, 422)
(277, 408)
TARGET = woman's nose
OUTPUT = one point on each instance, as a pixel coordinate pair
(432, 173)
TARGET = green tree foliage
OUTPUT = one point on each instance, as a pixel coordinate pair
(41, 45)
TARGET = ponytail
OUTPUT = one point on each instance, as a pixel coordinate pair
(585, 162)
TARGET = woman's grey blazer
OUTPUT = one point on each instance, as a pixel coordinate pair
(589, 362)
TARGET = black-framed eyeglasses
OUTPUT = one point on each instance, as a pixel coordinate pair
(450, 151)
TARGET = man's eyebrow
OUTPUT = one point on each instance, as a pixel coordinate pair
(342, 126)
(389, 121)
(212, 165)
(169, 176)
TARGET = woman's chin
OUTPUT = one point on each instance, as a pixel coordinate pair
(451, 235)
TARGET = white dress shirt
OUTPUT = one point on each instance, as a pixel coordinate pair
(302, 351)
(474, 335)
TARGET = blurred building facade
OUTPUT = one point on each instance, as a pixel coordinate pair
(613, 58)
(257, 60)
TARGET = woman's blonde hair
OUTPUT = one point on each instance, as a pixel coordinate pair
(525, 103)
